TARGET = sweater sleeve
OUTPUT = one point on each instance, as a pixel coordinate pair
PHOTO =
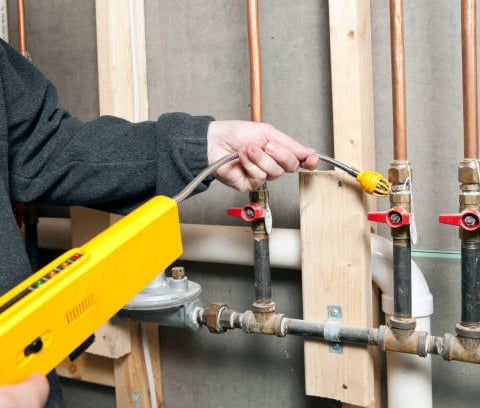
(108, 163)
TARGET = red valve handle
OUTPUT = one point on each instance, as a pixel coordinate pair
(469, 220)
(395, 217)
(248, 212)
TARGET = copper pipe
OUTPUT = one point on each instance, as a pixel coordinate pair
(255, 61)
(22, 41)
(398, 81)
(263, 289)
(469, 71)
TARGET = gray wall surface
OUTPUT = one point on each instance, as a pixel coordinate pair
(198, 63)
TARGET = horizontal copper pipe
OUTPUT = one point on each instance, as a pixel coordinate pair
(469, 71)
(398, 81)
(255, 61)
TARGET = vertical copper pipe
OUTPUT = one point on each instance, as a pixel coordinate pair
(469, 71)
(398, 81)
(255, 61)
(263, 290)
(399, 174)
(22, 41)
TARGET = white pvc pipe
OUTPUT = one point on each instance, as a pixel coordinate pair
(408, 376)
(233, 245)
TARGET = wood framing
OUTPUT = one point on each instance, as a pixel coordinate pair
(335, 233)
(117, 356)
(336, 272)
(89, 368)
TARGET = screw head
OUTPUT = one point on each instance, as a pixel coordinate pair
(249, 212)
(470, 220)
(395, 218)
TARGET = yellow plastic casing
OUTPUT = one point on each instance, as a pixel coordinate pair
(47, 316)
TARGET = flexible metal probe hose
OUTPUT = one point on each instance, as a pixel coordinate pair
(372, 182)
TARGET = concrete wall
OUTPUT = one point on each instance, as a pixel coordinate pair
(198, 63)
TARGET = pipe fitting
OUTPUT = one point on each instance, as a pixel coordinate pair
(400, 323)
(461, 349)
(470, 330)
(468, 171)
(211, 317)
(399, 173)
(263, 306)
(469, 198)
(404, 341)
(262, 323)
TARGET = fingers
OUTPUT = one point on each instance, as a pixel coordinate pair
(284, 157)
(268, 163)
(253, 160)
(275, 159)
(33, 392)
(311, 161)
(38, 383)
(265, 153)
(287, 142)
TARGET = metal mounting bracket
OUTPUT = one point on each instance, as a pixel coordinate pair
(332, 329)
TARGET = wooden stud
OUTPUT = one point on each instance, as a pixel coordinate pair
(352, 82)
(336, 272)
(89, 368)
(334, 230)
(123, 93)
(131, 385)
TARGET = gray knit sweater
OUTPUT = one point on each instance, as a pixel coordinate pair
(48, 156)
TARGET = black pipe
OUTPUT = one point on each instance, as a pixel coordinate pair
(345, 334)
(402, 278)
(470, 264)
(263, 289)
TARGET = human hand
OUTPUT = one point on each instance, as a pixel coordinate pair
(32, 393)
(265, 153)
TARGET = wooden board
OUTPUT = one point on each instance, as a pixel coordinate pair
(122, 80)
(336, 272)
(334, 230)
(131, 380)
(117, 357)
(89, 368)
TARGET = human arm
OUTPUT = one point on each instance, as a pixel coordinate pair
(32, 393)
(112, 164)
(106, 163)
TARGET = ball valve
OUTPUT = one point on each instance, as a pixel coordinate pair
(249, 212)
(469, 219)
(395, 217)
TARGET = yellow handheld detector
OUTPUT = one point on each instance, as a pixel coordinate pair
(47, 316)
